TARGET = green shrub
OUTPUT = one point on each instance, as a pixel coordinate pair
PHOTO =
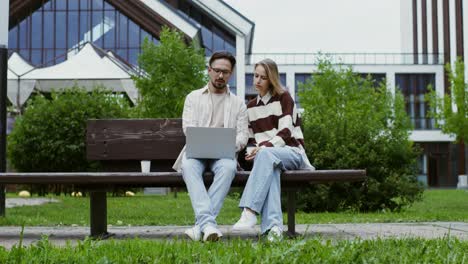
(350, 124)
(51, 134)
(172, 70)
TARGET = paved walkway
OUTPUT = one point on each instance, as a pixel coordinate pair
(10, 236)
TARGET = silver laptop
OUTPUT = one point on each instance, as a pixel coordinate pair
(210, 143)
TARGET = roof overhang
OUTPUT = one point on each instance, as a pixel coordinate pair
(178, 21)
(230, 18)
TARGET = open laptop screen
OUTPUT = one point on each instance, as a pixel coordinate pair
(210, 142)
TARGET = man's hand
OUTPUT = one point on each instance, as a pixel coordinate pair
(251, 155)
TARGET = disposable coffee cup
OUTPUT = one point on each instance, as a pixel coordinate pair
(145, 166)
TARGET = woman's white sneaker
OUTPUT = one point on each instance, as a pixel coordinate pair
(211, 234)
(275, 234)
(194, 233)
(247, 221)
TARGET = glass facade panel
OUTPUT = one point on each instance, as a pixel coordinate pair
(144, 35)
(414, 87)
(73, 29)
(207, 36)
(84, 4)
(300, 78)
(98, 28)
(123, 29)
(133, 35)
(60, 4)
(23, 35)
(73, 4)
(36, 27)
(24, 53)
(109, 29)
(48, 30)
(60, 29)
(60, 25)
(36, 56)
(48, 5)
(98, 4)
(218, 42)
(108, 6)
(85, 34)
(13, 38)
(60, 55)
(133, 56)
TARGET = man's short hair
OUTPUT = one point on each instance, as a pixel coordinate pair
(223, 55)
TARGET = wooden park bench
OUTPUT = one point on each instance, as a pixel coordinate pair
(120, 145)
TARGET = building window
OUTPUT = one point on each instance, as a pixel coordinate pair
(250, 91)
(300, 78)
(46, 37)
(414, 88)
(377, 78)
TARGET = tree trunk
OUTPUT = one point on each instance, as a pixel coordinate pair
(462, 158)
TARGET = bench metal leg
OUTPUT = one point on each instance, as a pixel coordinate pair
(2, 200)
(292, 212)
(98, 214)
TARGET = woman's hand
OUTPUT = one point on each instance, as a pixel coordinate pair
(251, 155)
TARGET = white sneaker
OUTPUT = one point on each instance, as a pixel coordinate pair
(247, 221)
(194, 233)
(275, 234)
(211, 233)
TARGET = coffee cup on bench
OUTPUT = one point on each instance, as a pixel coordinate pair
(145, 166)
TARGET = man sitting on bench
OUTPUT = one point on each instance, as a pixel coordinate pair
(212, 106)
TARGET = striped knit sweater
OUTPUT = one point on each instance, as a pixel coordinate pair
(274, 124)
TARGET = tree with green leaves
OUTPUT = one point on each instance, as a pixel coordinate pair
(453, 121)
(351, 124)
(171, 70)
(51, 134)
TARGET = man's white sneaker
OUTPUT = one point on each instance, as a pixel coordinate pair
(194, 233)
(247, 221)
(211, 233)
(275, 234)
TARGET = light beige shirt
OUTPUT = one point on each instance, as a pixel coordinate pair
(198, 112)
(217, 118)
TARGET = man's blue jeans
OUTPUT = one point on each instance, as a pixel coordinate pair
(207, 204)
(262, 193)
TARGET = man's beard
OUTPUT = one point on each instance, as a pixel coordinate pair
(218, 85)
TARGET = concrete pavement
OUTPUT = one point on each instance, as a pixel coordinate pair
(10, 236)
(60, 235)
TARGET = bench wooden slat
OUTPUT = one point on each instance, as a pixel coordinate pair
(172, 179)
(134, 139)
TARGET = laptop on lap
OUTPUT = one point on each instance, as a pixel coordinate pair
(210, 143)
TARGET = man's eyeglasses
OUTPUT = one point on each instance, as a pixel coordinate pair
(219, 71)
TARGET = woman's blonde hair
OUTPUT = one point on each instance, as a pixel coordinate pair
(271, 70)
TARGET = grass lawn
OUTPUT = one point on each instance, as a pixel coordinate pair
(447, 250)
(437, 205)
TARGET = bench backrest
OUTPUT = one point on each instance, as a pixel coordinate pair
(121, 143)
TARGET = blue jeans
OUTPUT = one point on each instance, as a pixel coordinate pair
(207, 204)
(262, 193)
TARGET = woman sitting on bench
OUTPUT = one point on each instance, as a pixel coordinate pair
(275, 143)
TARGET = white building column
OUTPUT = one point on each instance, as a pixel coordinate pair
(290, 82)
(391, 83)
(240, 66)
(405, 26)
